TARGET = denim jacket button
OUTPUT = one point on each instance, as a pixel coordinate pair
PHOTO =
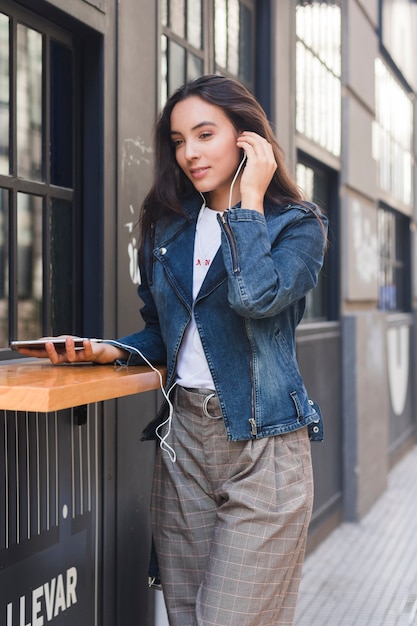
(162, 251)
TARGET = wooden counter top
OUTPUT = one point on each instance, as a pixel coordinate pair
(37, 385)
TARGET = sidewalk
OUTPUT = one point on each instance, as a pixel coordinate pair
(365, 574)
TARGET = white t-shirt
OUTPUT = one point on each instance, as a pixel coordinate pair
(192, 366)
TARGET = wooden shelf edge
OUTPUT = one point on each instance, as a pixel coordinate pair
(45, 388)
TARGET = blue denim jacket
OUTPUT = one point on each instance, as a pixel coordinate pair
(247, 310)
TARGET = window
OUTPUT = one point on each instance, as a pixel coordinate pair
(37, 180)
(318, 119)
(394, 261)
(318, 72)
(206, 37)
(233, 39)
(393, 136)
(319, 185)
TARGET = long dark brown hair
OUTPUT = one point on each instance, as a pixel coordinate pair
(171, 186)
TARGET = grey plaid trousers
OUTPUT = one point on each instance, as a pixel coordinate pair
(229, 519)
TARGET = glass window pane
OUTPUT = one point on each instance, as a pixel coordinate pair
(29, 266)
(176, 70)
(61, 278)
(4, 268)
(305, 180)
(177, 17)
(394, 261)
(4, 94)
(194, 67)
(61, 149)
(233, 34)
(233, 41)
(29, 103)
(246, 44)
(393, 136)
(220, 32)
(194, 32)
(318, 63)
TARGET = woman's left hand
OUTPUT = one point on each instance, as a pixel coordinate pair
(258, 171)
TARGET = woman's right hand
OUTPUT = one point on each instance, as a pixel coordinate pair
(259, 169)
(92, 351)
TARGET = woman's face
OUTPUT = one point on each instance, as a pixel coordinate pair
(205, 148)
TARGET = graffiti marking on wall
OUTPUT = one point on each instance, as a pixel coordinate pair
(135, 153)
(364, 245)
(132, 252)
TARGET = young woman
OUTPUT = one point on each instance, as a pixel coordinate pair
(229, 250)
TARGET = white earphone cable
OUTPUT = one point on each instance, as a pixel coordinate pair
(234, 180)
(163, 444)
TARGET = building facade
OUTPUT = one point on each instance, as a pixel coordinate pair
(81, 83)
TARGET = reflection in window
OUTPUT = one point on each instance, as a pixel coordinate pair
(29, 265)
(194, 24)
(176, 66)
(61, 288)
(393, 278)
(195, 67)
(4, 267)
(29, 103)
(4, 94)
(220, 40)
(393, 136)
(318, 72)
(305, 180)
(233, 23)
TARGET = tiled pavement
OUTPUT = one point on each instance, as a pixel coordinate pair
(365, 574)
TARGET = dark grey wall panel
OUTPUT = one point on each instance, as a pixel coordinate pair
(319, 354)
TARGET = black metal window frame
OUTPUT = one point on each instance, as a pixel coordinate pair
(42, 189)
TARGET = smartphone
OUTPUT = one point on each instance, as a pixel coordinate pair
(39, 344)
